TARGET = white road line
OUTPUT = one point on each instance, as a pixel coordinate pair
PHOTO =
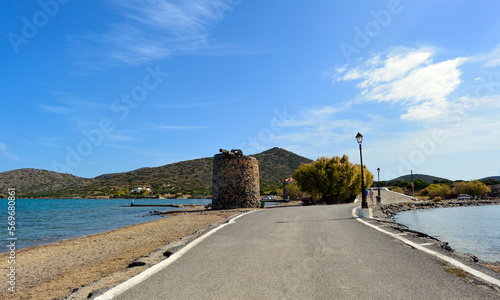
(426, 244)
(448, 259)
(117, 290)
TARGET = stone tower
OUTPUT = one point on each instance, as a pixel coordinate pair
(235, 182)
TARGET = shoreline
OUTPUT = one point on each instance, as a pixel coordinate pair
(85, 264)
(388, 211)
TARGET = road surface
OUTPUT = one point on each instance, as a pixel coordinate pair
(312, 252)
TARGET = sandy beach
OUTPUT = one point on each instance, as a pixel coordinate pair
(54, 271)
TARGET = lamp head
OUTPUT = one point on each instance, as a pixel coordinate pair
(359, 137)
(378, 170)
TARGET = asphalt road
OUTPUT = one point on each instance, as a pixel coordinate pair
(313, 252)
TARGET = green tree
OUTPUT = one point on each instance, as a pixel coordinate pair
(334, 180)
(420, 184)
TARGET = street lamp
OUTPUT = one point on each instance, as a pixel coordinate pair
(378, 183)
(364, 204)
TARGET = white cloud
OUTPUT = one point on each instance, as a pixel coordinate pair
(411, 78)
(151, 30)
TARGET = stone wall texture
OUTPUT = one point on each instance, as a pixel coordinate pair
(235, 182)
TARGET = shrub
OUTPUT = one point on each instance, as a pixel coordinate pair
(436, 190)
(474, 188)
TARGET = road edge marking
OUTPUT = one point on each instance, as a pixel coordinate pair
(443, 257)
(122, 287)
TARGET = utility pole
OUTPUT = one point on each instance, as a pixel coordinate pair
(412, 185)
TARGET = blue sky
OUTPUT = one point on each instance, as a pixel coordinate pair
(94, 87)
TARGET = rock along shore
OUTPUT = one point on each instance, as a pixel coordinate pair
(392, 209)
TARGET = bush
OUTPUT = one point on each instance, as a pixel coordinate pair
(294, 192)
(436, 190)
(474, 188)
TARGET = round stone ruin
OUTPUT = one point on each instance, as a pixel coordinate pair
(235, 181)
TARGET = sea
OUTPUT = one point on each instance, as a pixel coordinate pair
(45, 221)
(474, 230)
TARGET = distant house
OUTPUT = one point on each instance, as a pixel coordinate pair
(139, 190)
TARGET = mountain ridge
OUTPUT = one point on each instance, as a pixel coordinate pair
(192, 177)
(423, 177)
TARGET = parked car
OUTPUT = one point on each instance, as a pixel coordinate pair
(464, 197)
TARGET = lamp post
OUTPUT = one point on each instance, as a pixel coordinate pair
(378, 183)
(364, 204)
(379, 200)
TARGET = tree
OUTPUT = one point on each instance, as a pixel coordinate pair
(334, 180)
(474, 188)
(420, 184)
(490, 181)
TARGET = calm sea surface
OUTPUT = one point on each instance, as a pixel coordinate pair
(43, 221)
(474, 230)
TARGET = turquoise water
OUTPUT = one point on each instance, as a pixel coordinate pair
(44, 221)
(474, 230)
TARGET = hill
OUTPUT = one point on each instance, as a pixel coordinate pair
(497, 178)
(423, 177)
(277, 164)
(193, 177)
(34, 181)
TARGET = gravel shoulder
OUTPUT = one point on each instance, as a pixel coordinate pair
(82, 265)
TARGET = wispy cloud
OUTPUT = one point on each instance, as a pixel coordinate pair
(197, 104)
(151, 30)
(166, 127)
(315, 116)
(54, 109)
(121, 138)
(141, 150)
(320, 131)
(490, 59)
(51, 142)
(408, 77)
(4, 152)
